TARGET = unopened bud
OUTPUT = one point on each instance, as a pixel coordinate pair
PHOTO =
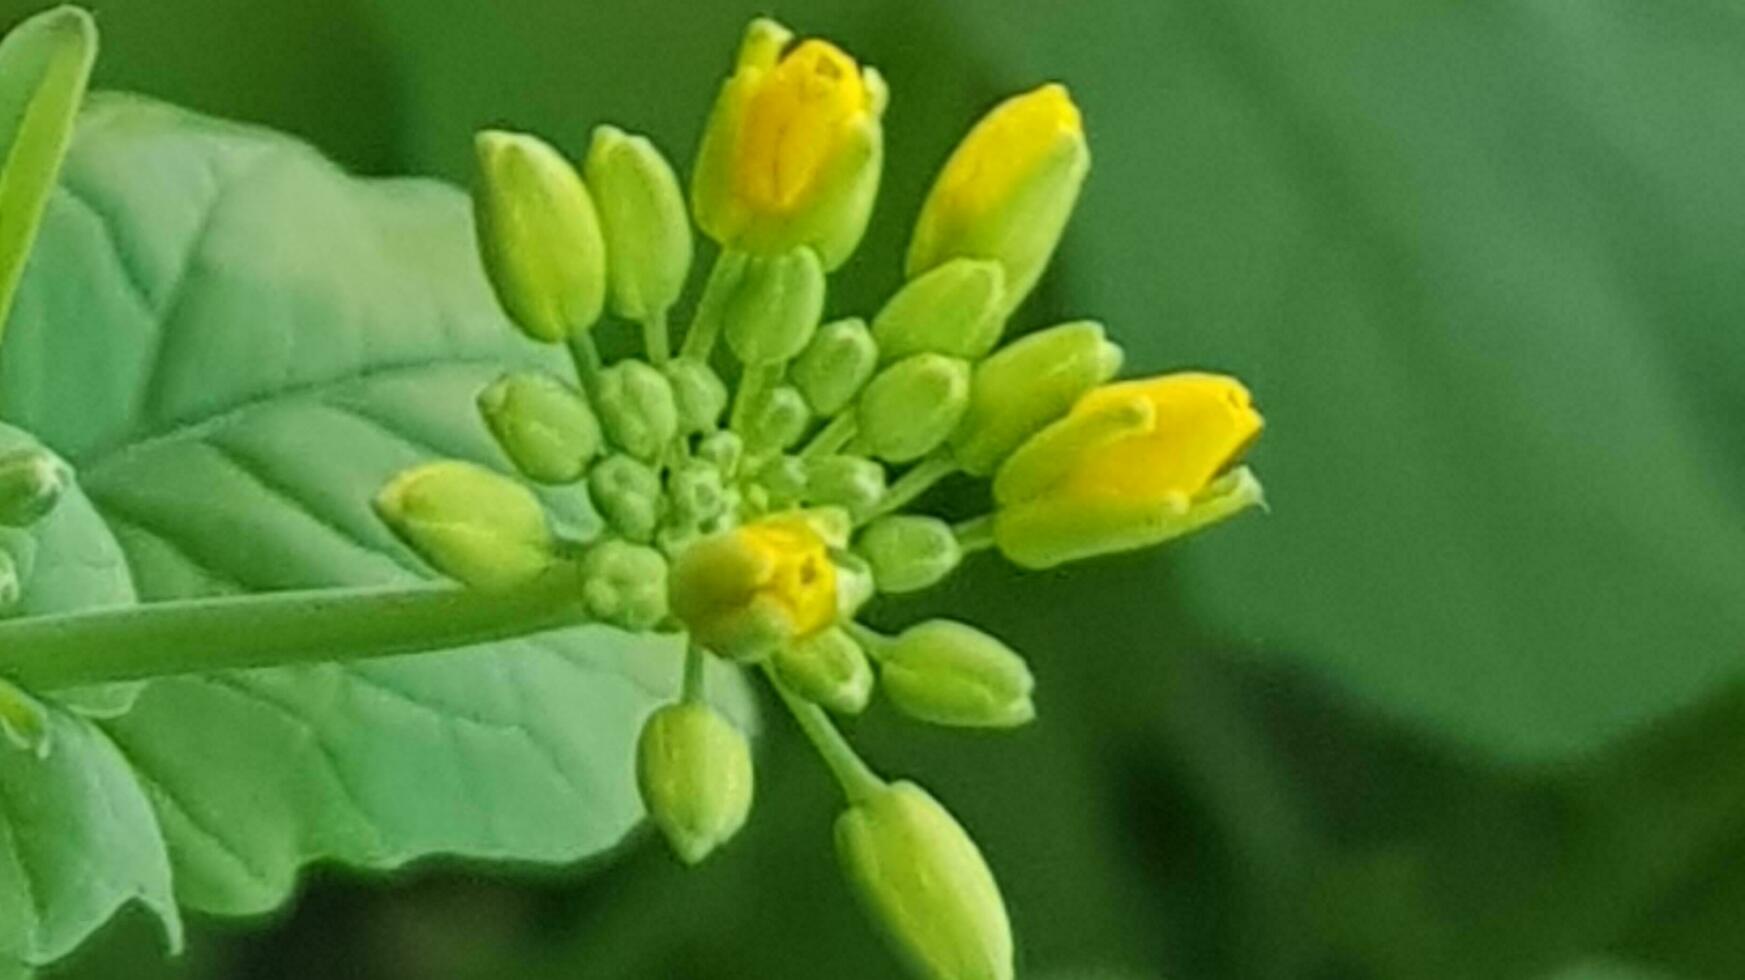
(775, 420)
(1026, 385)
(954, 309)
(854, 483)
(470, 523)
(694, 771)
(745, 592)
(722, 450)
(829, 669)
(538, 235)
(775, 306)
(624, 584)
(31, 484)
(909, 552)
(544, 425)
(697, 493)
(643, 221)
(24, 721)
(627, 493)
(925, 883)
(835, 365)
(637, 409)
(913, 405)
(699, 394)
(784, 480)
(948, 673)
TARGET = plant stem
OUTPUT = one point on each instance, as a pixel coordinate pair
(586, 357)
(755, 384)
(693, 685)
(654, 338)
(856, 778)
(975, 534)
(832, 437)
(914, 483)
(276, 629)
(706, 324)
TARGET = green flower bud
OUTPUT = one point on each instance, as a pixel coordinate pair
(829, 669)
(953, 309)
(835, 365)
(924, 882)
(853, 483)
(538, 235)
(854, 584)
(1023, 387)
(643, 220)
(470, 523)
(31, 484)
(627, 493)
(699, 394)
(784, 480)
(948, 673)
(1007, 191)
(775, 306)
(637, 409)
(544, 425)
(697, 493)
(775, 421)
(24, 721)
(694, 770)
(722, 450)
(624, 584)
(913, 405)
(909, 552)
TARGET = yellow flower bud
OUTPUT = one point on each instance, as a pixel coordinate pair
(744, 592)
(792, 152)
(1133, 464)
(1007, 190)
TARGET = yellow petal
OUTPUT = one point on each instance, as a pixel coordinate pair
(1005, 147)
(795, 124)
(1202, 423)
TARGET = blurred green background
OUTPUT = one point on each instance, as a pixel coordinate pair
(1465, 704)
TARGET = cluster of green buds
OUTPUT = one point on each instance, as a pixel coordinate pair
(759, 518)
(32, 483)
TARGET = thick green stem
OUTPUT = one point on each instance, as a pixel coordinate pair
(275, 629)
(755, 384)
(975, 534)
(856, 778)
(833, 436)
(585, 354)
(693, 684)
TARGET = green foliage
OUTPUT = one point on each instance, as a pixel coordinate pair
(233, 343)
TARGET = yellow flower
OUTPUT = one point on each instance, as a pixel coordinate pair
(792, 151)
(744, 592)
(1007, 190)
(1132, 464)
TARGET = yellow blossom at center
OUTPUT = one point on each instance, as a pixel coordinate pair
(798, 574)
(1005, 147)
(795, 124)
(1202, 423)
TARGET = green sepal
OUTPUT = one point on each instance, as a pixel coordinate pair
(1022, 387)
(775, 420)
(722, 450)
(637, 409)
(948, 673)
(544, 426)
(923, 881)
(642, 219)
(835, 365)
(539, 236)
(954, 309)
(829, 669)
(699, 394)
(783, 479)
(774, 307)
(697, 493)
(624, 584)
(909, 408)
(694, 771)
(470, 523)
(627, 493)
(24, 721)
(909, 552)
(854, 483)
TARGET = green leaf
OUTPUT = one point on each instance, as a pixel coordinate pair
(44, 64)
(235, 345)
